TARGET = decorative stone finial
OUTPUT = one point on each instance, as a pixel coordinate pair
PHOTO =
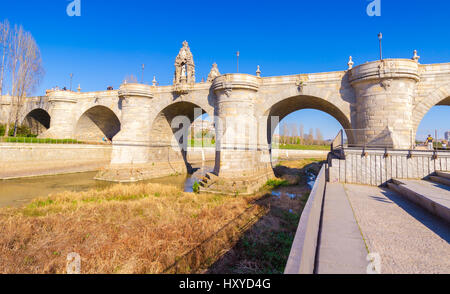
(154, 81)
(79, 88)
(350, 63)
(184, 66)
(415, 57)
(301, 82)
(258, 72)
(213, 73)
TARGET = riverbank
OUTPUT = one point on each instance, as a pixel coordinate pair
(141, 228)
(30, 160)
(22, 160)
(265, 247)
(146, 228)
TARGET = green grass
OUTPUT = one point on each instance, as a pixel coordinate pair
(39, 140)
(273, 253)
(275, 183)
(209, 143)
(302, 147)
(198, 143)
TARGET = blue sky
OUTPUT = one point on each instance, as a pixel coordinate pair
(111, 39)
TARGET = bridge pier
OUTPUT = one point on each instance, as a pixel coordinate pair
(385, 92)
(242, 163)
(136, 155)
(61, 111)
(131, 145)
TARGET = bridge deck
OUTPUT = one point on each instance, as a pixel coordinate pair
(407, 237)
(341, 248)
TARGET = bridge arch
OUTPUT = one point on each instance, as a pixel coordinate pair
(284, 106)
(439, 96)
(38, 120)
(170, 128)
(96, 123)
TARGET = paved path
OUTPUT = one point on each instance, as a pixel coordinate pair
(341, 246)
(408, 239)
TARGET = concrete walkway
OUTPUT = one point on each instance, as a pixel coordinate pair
(341, 248)
(408, 239)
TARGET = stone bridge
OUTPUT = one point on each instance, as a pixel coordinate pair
(379, 104)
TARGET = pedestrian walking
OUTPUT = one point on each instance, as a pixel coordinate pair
(429, 142)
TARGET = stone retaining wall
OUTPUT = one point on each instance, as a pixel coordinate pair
(18, 152)
(26, 160)
(195, 154)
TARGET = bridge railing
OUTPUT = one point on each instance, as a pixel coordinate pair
(385, 139)
(338, 141)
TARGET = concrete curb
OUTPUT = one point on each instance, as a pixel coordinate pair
(303, 251)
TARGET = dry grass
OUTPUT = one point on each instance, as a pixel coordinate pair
(265, 247)
(142, 228)
(300, 163)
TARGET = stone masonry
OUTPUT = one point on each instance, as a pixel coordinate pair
(379, 104)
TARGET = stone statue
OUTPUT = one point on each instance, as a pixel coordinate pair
(183, 71)
(184, 66)
(213, 73)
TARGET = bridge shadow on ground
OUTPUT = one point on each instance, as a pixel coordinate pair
(440, 186)
(435, 224)
(264, 248)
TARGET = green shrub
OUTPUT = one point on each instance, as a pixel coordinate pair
(22, 131)
(275, 183)
(196, 187)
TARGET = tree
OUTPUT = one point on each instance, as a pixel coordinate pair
(319, 137)
(294, 132)
(310, 137)
(4, 42)
(301, 134)
(26, 70)
(4, 53)
(285, 133)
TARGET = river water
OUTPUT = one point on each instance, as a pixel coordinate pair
(17, 192)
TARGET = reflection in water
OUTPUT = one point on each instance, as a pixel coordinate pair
(17, 192)
(310, 180)
(186, 182)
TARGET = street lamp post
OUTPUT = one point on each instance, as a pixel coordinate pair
(380, 37)
(71, 76)
(237, 54)
(142, 77)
